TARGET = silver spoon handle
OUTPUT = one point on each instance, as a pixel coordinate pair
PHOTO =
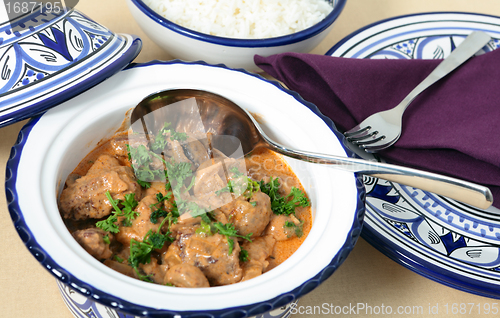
(460, 190)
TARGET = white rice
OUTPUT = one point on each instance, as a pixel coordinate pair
(244, 19)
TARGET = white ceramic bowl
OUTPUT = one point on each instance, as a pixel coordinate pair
(190, 45)
(50, 146)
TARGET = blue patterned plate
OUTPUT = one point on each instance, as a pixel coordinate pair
(441, 239)
(48, 57)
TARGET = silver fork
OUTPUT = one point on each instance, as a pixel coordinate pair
(383, 129)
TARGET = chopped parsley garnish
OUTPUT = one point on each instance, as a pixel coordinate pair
(160, 197)
(283, 205)
(204, 229)
(252, 187)
(144, 184)
(178, 175)
(299, 231)
(158, 213)
(243, 255)
(236, 172)
(157, 210)
(106, 239)
(141, 158)
(229, 188)
(127, 212)
(109, 224)
(180, 136)
(237, 181)
(140, 252)
(229, 231)
(179, 172)
(160, 140)
(298, 228)
(196, 210)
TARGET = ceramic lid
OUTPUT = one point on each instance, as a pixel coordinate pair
(49, 56)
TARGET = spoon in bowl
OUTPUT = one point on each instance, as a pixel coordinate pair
(232, 127)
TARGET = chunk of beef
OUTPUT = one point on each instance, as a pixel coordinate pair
(184, 222)
(92, 240)
(186, 275)
(259, 251)
(280, 227)
(210, 253)
(177, 152)
(119, 144)
(210, 180)
(173, 255)
(156, 272)
(249, 216)
(195, 151)
(123, 268)
(86, 197)
(154, 188)
(140, 224)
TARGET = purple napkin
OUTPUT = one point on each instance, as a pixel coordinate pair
(448, 129)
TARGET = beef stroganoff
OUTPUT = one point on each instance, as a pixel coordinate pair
(174, 211)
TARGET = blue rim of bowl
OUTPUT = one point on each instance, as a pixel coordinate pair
(120, 305)
(270, 42)
(390, 249)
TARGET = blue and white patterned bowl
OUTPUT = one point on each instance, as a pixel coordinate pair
(84, 307)
(439, 238)
(190, 45)
(47, 58)
(72, 130)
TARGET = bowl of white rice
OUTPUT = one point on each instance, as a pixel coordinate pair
(232, 32)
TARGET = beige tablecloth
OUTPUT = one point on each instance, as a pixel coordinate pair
(367, 276)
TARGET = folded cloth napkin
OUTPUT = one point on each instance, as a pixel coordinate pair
(448, 129)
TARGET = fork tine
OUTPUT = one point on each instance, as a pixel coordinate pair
(377, 145)
(356, 130)
(364, 136)
(375, 138)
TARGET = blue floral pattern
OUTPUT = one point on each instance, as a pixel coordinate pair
(46, 58)
(83, 307)
(439, 238)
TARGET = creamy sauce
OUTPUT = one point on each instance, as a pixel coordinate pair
(264, 162)
(261, 165)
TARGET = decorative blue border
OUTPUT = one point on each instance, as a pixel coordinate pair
(397, 247)
(117, 47)
(112, 301)
(277, 41)
(30, 22)
(42, 106)
(369, 26)
(426, 269)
